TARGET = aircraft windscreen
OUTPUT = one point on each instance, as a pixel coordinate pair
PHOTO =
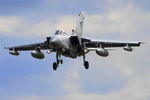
(59, 32)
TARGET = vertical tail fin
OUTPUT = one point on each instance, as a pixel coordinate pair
(79, 26)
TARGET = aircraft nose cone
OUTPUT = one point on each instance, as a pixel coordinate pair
(55, 41)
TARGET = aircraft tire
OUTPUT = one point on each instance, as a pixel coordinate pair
(55, 66)
(61, 61)
(86, 65)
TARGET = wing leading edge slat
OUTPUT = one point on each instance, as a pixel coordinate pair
(109, 44)
(42, 46)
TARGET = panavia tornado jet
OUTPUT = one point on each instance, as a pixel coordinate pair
(72, 45)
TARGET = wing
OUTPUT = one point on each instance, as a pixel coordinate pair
(42, 46)
(108, 44)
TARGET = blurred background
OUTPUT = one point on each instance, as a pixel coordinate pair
(120, 76)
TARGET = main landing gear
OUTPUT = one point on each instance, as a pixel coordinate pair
(86, 63)
(58, 61)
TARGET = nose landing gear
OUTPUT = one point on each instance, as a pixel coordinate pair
(58, 61)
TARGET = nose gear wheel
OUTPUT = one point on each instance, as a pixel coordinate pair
(58, 61)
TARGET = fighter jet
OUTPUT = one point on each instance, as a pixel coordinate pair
(72, 45)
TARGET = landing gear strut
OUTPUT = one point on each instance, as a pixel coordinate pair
(58, 61)
(86, 63)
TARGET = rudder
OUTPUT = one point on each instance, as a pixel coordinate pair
(79, 26)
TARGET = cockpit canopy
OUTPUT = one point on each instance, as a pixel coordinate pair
(59, 32)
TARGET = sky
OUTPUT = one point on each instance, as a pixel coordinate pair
(120, 76)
